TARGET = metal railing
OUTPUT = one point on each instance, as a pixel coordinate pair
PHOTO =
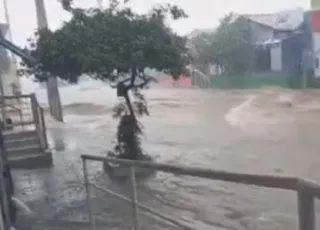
(19, 111)
(18, 108)
(306, 190)
(39, 121)
(199, 79)
(30, 113)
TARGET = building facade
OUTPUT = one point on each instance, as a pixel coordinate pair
(279, 41)
(8, 68)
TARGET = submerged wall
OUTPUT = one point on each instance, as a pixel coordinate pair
(249, 81)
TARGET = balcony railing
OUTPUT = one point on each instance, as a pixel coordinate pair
(25, 111)
(306, 190)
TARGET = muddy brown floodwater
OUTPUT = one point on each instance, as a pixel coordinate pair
(266, 132)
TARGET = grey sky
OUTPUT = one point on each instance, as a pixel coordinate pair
(202, 13)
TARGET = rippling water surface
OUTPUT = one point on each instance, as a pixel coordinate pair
(240, 131)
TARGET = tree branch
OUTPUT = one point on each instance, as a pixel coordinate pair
(126, 95)
(133, 78)
(128, 102)
(123, 81)
(146, 80)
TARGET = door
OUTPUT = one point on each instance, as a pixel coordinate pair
(276, 58)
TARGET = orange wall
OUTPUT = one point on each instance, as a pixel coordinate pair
(315, 20)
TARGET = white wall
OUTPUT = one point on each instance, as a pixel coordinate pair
(8, 68)
(316, 49)
(276, 58)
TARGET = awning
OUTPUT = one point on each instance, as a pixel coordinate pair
(271, 42)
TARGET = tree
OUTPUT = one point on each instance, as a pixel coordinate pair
(232, 46)
(111, 45)
(201, 50)
(66, 4)
(229, 46)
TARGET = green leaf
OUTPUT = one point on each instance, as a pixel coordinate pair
(100, 43)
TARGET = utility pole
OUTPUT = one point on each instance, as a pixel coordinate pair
(6, 12)
(52, 83)
(13, 64)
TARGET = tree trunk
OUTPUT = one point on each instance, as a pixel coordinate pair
(129, 104)
(126, 95)
(132, 146)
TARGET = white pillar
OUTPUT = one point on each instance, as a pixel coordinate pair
(52, 84)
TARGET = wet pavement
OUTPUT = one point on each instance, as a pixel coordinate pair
(240, 131)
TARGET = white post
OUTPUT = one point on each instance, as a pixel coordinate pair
(88, 197)
(6, 12)
(135, 217)
(13, 65)
(52, 83)
(2, 100)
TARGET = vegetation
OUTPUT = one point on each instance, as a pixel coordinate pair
(229, 46)
(201, 51)
(114, 45)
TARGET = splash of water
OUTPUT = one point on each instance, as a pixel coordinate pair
(240, 114)
(86, 91)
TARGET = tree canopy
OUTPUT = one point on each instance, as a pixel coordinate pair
(108, 44)
(229, 46)
(201, 51)
(115, 44)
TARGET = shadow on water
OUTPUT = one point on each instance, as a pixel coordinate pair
(57, 139)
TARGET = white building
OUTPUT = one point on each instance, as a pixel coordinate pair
(8, 67)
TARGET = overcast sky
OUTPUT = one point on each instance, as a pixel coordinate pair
(202, 13)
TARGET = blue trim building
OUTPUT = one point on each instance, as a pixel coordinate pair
(286, 39)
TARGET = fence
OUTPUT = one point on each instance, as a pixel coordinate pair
(199, 79)
(306, 190)
(250, 81)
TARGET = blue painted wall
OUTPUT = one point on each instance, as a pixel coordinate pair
(307, 60)
(297, 50)
(292, 49)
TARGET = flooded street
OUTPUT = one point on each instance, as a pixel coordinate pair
(238, 131)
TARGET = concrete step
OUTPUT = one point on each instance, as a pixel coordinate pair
(17, 111)
(24, 150)
(17, 135)
(36, 160)
(17, 121)
(18, 143)
(67, 225)
(16, 114)
(24, 123)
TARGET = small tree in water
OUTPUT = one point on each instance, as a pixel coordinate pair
(114, 45)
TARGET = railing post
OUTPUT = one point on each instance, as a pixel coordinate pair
(135, 214)
(43, 128)
(305, 209)
(87, 189)
(33, 100)
(5, 197)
